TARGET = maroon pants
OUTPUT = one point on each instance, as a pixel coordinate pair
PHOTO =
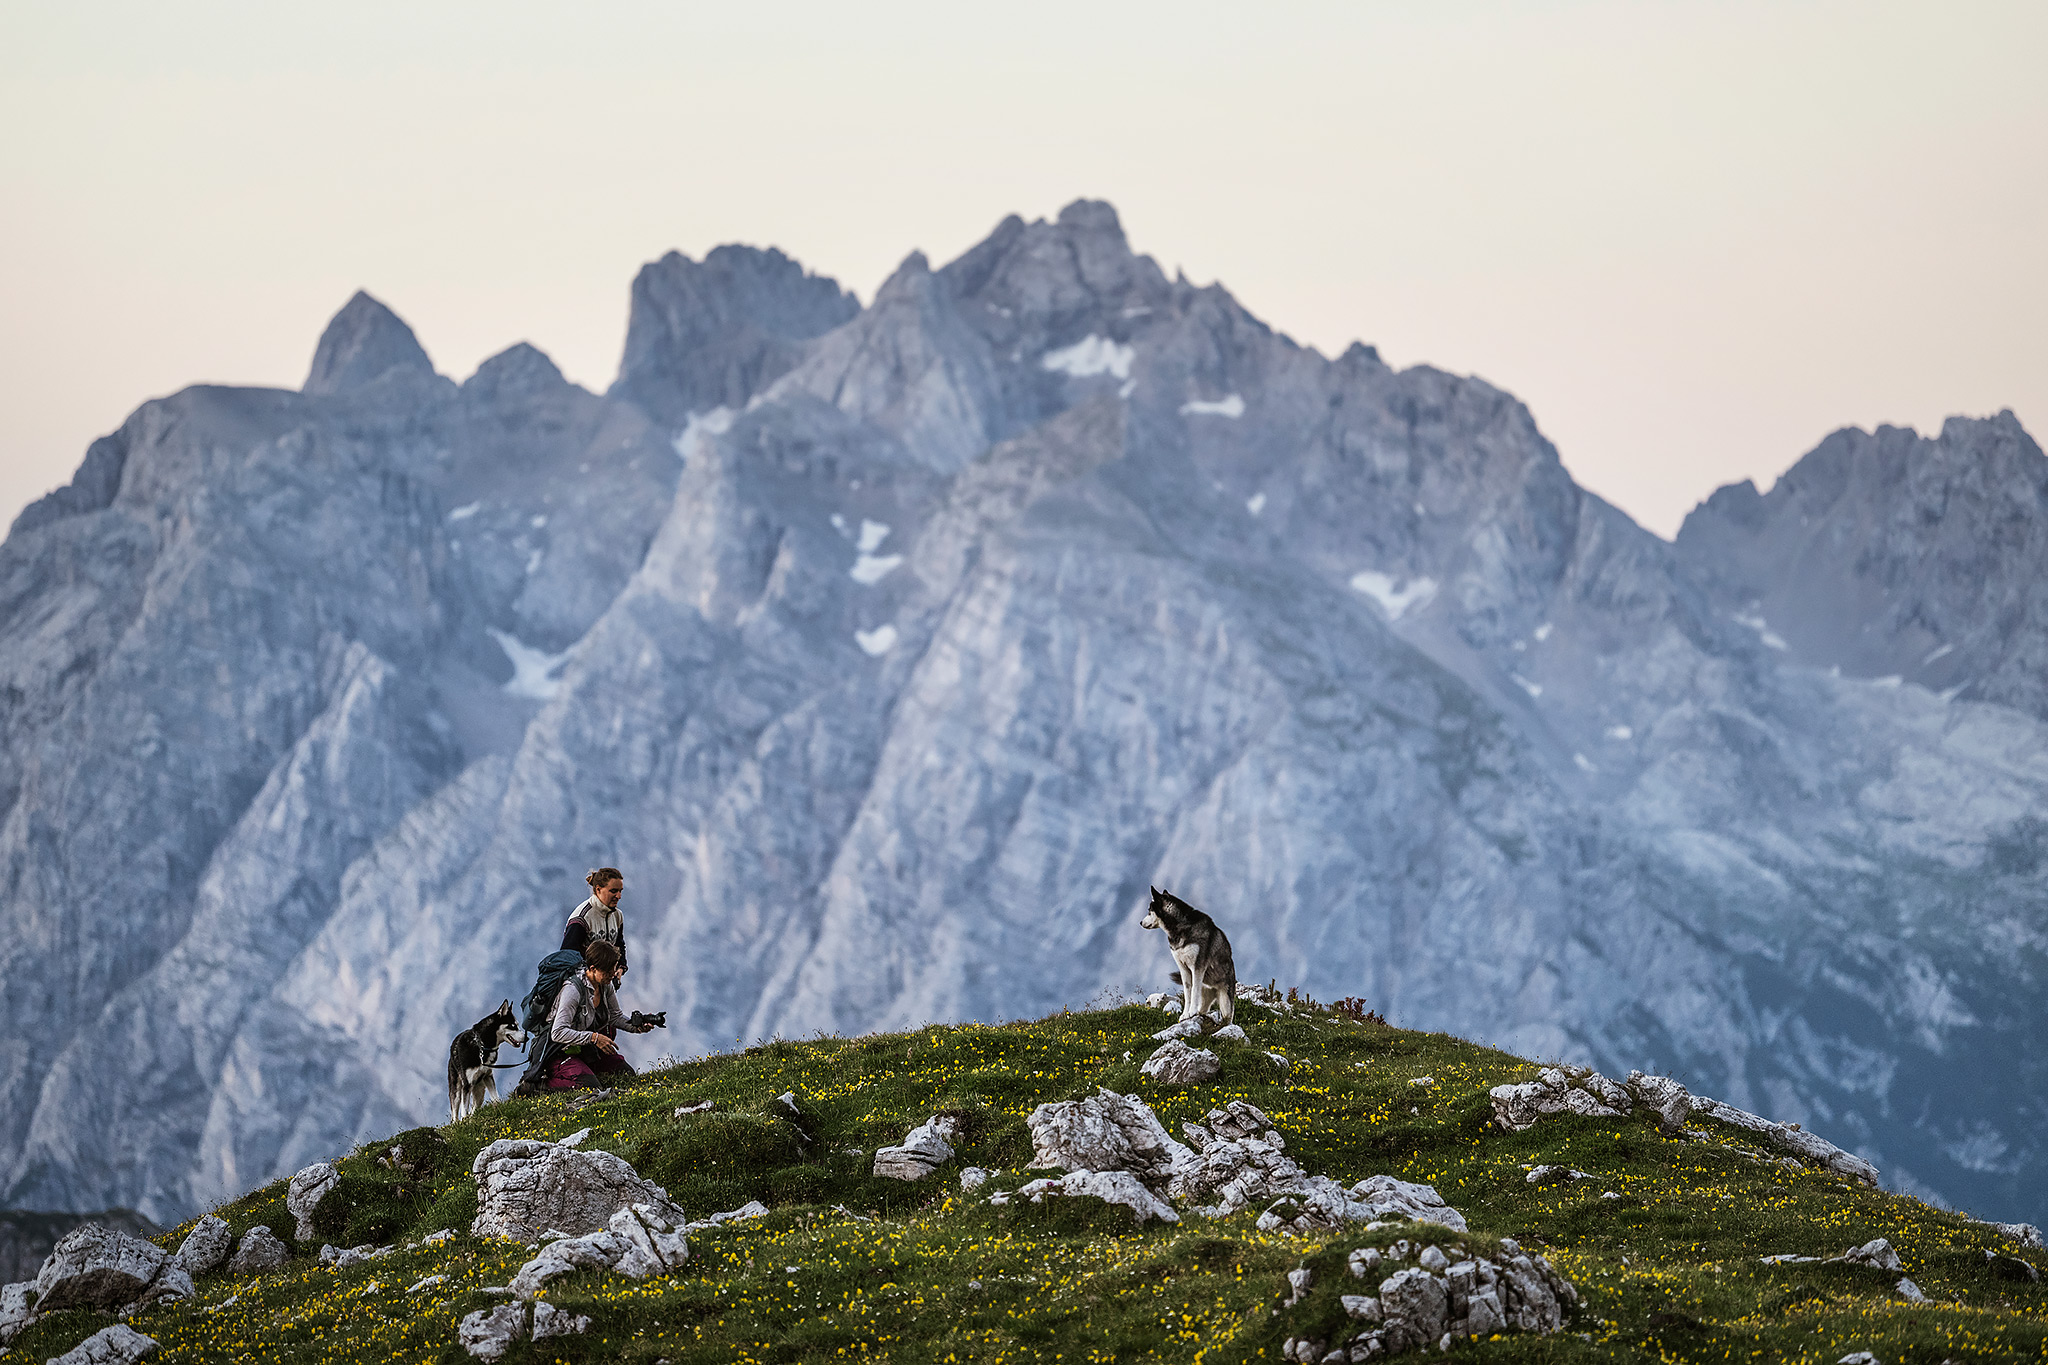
(566, 1073)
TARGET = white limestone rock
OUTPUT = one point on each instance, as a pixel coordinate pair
(1669, 1101)
(1414, 1309)
(550, 1321)
(525, 1187)
(305, 1192)
(1877, 1253)
(654, 1244)
(1558, 1090)
(639, 1242)
(1790, 1138)
(1611, 1094)
(1176, 1063)
(1518, 1107)
(1111, 1187)
(753, 1208)
(100, 1267)
(1587, 1105)
(1105, 1131)
(489, 1333)
(1386, 1196)
(600, 1250)
(205, 1247)
(116, 1345)
(972, 1179)
(259, 1250)
(923, 1149)
(17, 1310)
(1186, 1028)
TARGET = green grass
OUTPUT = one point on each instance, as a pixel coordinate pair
(915, 1272)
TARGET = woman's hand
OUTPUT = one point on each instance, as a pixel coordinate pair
(605, 1044)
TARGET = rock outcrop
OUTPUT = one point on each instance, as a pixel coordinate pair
(17, 1310)
(923, 1149)
(1559, 1090)
(1232, 1162)
(116, 1345)
(636, 1242)
(259, 1250)
(97, 1267)
(302, 1197)
(1111, 1187)
(1446, 1297)
(1178, 1064)
(1791, 1139)
(526, 1187)
(205, 1247)
(1105, 1131)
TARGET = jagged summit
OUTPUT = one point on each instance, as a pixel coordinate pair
(364, 342)
(1891, 554)
(713, 333)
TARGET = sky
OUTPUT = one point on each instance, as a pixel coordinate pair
(1693, 237)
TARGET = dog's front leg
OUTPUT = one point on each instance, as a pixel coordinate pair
(1190, 991)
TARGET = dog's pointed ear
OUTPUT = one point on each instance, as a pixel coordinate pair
(505, 1004)
(1153, 889)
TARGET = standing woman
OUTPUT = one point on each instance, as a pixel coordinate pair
(598, 920)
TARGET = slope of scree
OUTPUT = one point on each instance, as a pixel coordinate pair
(1664, 1234)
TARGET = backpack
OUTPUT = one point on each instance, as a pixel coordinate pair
(555, 968)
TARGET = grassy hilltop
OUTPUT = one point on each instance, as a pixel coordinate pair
(847, 1266)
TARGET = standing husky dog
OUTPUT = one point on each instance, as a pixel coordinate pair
(1207, 975)
(470, 1074)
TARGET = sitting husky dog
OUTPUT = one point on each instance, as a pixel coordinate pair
(470, 1074)
(1207, 975)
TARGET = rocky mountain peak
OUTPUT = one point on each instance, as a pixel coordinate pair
(1026, 279)
(713, 333)
(906, 280)
(365, 341)
(520, 370)
(1891, 554)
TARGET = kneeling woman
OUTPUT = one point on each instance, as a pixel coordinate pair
(583, 1022)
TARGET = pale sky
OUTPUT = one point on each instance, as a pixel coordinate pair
(1693, 237)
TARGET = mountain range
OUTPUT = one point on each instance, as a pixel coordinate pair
(894, 651)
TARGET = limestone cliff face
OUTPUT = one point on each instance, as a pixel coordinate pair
(892, 652)
(1895, 555)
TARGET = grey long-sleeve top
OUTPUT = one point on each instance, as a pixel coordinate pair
(577, 1014)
